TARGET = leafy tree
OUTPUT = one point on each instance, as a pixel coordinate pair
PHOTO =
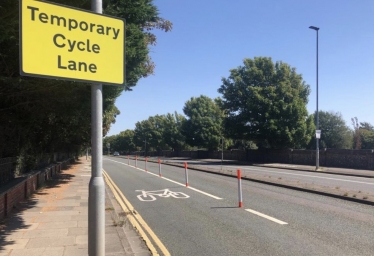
(203, 127)
(113, 144)
(126, 141)
(149, 133)
(311, 129)
(367, 135)
(160, 132)
(172, 134)
(356, 133)
(366, 126)
(265, 102)
(122, 142)
(42, 116)
(141, 18)
(334, 131)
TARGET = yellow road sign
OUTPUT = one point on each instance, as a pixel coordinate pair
(73, 44)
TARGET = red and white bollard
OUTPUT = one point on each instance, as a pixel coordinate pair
(186, 172)
(128, 160)
(159, 167)
(240, 188)
(136, 161)
(146, 159)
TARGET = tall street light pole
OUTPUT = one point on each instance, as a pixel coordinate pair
(317, 113)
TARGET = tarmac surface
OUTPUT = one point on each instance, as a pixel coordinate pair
(210, 165)
(54, 221)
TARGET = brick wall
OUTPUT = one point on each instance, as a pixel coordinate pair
(14, 196)
(27, 186)
(3, 205)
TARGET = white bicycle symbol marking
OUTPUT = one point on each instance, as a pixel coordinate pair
(147, 196)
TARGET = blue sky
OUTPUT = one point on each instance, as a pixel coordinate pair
(211, 37)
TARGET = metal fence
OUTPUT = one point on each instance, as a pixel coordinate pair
(6, 170)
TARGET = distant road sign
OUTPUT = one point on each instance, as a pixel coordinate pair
(318, 134)
(73, 44)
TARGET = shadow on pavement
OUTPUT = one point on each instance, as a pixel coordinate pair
(15, 222)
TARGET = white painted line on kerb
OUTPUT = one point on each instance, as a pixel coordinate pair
(304, 175)
(176, 182)
(266, 217)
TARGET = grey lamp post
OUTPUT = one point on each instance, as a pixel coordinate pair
(317, 113)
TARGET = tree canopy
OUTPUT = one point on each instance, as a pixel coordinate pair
(265, 102)
(42, 116)
(149, 133)
(203, 127)
(367, 135)
(334, 131)
(172, 135)
(123, 142)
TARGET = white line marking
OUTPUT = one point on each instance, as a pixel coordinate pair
(135, 219)
(183, 185)
(194, 189)
(266, 217)
(149, 196)
(311, 176)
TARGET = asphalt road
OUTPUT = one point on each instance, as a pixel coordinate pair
(354, 187)
(331, 180)
(272, 221)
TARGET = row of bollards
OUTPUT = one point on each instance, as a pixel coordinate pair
(239, 176)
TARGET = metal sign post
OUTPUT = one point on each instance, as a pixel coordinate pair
(45, 29)
(96, 200)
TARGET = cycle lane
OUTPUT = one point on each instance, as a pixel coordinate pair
(200, 216)
(190, 226)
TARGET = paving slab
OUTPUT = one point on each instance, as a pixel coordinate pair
(53, 233)
(43, 242)
(58, 224)
(54, 221)
(56, 251)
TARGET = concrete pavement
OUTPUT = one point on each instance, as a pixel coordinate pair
(54, 221)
